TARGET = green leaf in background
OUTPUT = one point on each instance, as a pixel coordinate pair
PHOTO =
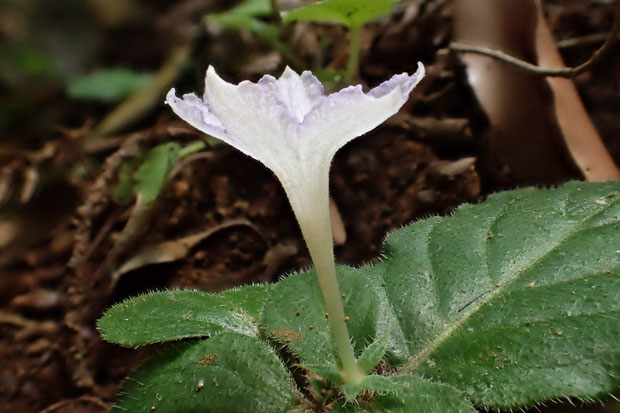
(227, 373)
(248, 16)
(24, 61)
(107, 85)
(373, 382)
(351, 13)
(125, 188)
(244, 16)
(153, 173)
(173, 315)
(250, 8)
(147, 182)
(147, 174)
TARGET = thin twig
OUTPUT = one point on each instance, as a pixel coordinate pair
(565, 72)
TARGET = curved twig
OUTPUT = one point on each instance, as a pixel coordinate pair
(565, 72)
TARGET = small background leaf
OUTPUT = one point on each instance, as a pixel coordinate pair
(107, 85)
(146, 175)
(248, 16)
(245, 17)
(227, 373)
(153, 174)
(350, 13)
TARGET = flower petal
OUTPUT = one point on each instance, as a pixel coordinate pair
(262, 126)
(347, 114)
(196, 112)
(298, 93)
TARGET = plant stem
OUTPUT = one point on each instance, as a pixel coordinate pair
(311, 207)
(354, 53)
(191, 148)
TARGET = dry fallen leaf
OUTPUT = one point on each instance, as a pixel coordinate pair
(538, 130)
(583, 141)
(172, 250)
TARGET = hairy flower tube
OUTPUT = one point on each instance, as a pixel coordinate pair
(294, 129)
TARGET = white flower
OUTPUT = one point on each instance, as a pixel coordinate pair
(293, 128)
(288, 124)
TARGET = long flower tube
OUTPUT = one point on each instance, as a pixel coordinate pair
(294, 129)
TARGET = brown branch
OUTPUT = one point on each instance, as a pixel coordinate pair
(565, 72)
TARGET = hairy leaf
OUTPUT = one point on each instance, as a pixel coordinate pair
(513, 301)
(173, 315)
(373, 354)
(516, 300)
(410, 394)
(294, 315)
(507, 303)
(227, 373)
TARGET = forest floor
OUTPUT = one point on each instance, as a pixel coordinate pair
(455, 141)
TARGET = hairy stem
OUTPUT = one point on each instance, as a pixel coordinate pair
(311, 207)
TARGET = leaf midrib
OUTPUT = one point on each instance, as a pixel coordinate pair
(414, 363)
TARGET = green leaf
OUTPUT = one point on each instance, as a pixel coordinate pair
(192, 148)
(248, 8)
(410, 394)
(513, 301)
(373, 354)
(422, 396)
(326, 371)
(374, 382)
(226, 373)
(294, 315)
(125, 188)
(249, 16)
(351, 390)
(173, 315)
(350, 13)
(380, 383)
(244, 17)
(507, 303)
(148, 174)
(107, 85)
(152, 175)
